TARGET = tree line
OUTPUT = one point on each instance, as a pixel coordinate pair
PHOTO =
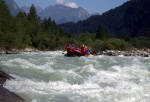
(28, 30)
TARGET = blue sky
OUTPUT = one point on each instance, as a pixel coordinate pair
(92, 6)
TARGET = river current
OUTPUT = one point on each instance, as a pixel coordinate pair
(51, 77)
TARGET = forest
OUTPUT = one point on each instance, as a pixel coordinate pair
(131, 19)
(29, 31)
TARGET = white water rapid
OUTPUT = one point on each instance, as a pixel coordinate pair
(51, 77)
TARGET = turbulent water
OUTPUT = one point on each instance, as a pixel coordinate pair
(51, 77)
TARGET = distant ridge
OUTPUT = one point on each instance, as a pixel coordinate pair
(129, 20)
(60, 13)
(13, 7)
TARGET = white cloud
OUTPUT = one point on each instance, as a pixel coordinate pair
(60, 1)
(67, 3)
(72, 4)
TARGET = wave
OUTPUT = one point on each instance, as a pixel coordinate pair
(49, 76)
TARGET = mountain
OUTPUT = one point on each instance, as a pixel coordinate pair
(59, 13)
(27, 9)
(128, 20)
(62, 14)
(13, 7)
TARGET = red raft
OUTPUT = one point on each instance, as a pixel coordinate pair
(73, 52)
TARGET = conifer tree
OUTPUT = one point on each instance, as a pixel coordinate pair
(5, 18)
(102, 33)
(6, 24)
(99, 33)
(46, 25)
(34, 27)
(32, 13)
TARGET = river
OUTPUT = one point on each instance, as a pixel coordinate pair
(51, 77)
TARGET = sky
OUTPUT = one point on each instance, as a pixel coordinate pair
(92, 6)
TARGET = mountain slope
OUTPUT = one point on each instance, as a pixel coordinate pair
(13, 7)
(130, 19)
(27, 9)
(61, 13)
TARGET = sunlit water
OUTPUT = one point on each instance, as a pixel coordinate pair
(51, 77)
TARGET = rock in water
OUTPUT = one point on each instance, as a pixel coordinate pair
(4, 77)
(7, 96)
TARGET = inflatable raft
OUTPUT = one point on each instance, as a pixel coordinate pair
(75, 53)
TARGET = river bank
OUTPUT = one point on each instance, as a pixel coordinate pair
(132, 52)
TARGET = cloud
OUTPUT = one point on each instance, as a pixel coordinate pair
(72, 4)
(60, 1)
(67, 3)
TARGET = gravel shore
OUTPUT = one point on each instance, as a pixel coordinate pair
(133, 52)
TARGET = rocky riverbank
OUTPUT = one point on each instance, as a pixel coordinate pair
(16, 51)
(133, 52)
(5, 94)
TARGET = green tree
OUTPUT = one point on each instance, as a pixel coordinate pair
(42, 41)
(32, 13)
(140, 42)
(11, 41)
(99, 32)
(62, 33)
(34, 26)
(21, 29)
(46, 25)
(2, 40)
(54, 29)
(6, 26)
(6, 19)
(102, 33)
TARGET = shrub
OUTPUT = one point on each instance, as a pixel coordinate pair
(141, 42)
(119, 44)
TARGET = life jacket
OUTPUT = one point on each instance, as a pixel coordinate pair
(69, 48)
(83, 50)
(88, 51)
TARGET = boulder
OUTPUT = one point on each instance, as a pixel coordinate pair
(2, 50)
(5, 94)
(4, 77)
(12, 52)
(133, 52)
